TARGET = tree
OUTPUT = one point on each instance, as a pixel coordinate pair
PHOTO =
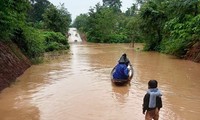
(81, 23)
(106, 25)
(114, 4)
(182, 28)
(153, 20)
(133, 29)
(38, 8)
(57, 19)
(182, 7)
(13, 15)
(101, 23)
(132, 10)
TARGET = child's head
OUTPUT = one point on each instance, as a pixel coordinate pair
(152, 84)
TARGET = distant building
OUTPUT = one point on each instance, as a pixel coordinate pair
(73, 36)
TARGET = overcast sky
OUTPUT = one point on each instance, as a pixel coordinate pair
(75, 7)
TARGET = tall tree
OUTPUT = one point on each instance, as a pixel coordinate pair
(102, 22)
(132, 10)
(114, 4)
(38, 8)
(13, 15)
(106, 25)
(182, 7)
(57, 19)
(153, 18)
(182, 28)
(81, 22)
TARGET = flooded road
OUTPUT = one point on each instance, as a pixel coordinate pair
(77, 86)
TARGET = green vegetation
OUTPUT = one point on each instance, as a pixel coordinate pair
(57, 20)
(168, 26)
(36, 26)
(55, 41)
(104, 24)
(171, 26)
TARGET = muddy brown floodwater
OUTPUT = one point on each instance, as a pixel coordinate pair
(77, 86)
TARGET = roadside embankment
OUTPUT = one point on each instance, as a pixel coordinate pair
(12, 64)
(194, 53)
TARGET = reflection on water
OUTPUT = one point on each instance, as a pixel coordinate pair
(121, 93)
(77, 86)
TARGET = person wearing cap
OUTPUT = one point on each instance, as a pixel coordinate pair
(121, 69)
(152, 101)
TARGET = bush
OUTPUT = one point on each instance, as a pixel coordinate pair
(55, 41)
(117, 38)
(175, 47)
(30, 41)
(181, 35)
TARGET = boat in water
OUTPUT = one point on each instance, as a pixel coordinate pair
(123, 81)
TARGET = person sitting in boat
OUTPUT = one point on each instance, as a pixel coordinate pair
(122, 68)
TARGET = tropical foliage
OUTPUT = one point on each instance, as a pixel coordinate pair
(38, 7)
(13, 15)
(57, 20)
(36, 26)
(168, 26)
(55, 41)
(104, 23)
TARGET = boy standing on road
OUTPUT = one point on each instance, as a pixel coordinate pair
(152, 101)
